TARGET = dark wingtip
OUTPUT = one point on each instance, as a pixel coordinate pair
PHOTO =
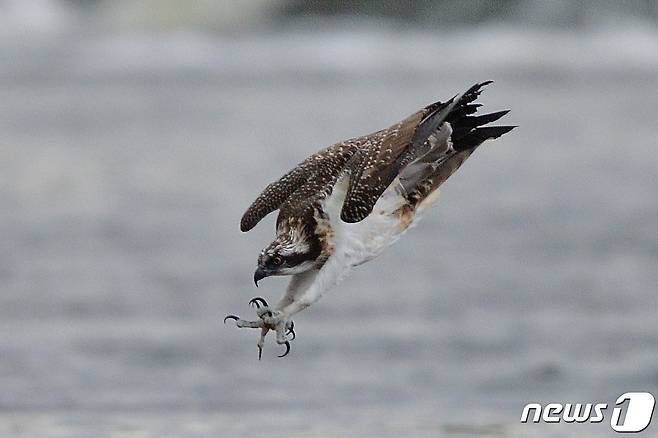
(472, 93)
(496, 131)
(477, 87)
(475, 137)
(484, 119)
(245, 225)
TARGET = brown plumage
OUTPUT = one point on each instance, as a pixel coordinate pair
(375, 160)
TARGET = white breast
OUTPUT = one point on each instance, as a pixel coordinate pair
(354, 244)
(363, 241)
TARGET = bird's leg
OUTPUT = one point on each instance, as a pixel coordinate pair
(278, 322)
(274, 320)
(280, 328)
(268, 320)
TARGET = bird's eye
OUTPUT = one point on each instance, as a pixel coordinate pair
(277, 260)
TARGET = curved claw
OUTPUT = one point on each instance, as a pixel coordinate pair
(291, 330)
(237, 318)
(257, 301)
(287, 344)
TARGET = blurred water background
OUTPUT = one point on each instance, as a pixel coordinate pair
(133, 134)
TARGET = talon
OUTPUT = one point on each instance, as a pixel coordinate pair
(257, 301)
(291, 330)
(231, 317)
(287, 349)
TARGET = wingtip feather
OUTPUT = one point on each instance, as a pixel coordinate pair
(496, 131)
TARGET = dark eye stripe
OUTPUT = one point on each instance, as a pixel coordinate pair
(297, 258)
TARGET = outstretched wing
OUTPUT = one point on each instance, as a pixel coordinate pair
(373, 161)
(374, 167)
(308, 181)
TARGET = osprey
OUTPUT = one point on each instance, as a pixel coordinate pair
(342, 206)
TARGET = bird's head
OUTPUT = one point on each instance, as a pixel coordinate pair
(292, 252)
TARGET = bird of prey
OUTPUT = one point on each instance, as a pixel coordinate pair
(345, 204)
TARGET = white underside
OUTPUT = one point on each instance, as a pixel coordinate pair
(355, 243)
(363, 241)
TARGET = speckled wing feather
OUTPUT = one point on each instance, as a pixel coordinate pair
(309, 180)
(375, 165)
(329, 165)
(275, 194)
(379, 162)
(373, 161)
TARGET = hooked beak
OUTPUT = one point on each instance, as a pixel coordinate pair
(259, 275)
